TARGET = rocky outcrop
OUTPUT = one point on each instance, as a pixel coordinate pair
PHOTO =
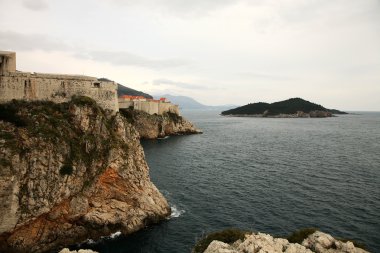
(261, 243)
(66, 250)
(158, 126)
(69, 172)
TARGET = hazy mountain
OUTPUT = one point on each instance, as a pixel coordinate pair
(190, 103)
(124, 90)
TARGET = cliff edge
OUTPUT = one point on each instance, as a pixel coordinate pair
(158, 126)
(69, 172)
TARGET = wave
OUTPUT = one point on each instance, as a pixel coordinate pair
(102, 238)
(176, 212)
(163, 138)
(114, 235)
(88, 241)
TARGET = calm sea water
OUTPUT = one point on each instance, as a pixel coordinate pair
(268, 175)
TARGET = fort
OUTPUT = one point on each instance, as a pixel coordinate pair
(151, 106)
(60, 88)
(52, 87)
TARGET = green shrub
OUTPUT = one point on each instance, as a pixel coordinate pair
(128, 114)
(230, 236)
(66, 169)
(174, 117)
(300, 235)
(83, 100)
(8, 113)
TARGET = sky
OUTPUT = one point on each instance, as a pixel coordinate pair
(215, 51)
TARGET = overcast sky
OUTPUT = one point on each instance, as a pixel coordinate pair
(216, 51)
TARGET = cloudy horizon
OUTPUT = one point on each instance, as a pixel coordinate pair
(217, 52)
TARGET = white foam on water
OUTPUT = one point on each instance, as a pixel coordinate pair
(176, 212)
(90, 241)
(115, 235)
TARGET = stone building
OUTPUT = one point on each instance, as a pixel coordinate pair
(52, 87)
(151, 106)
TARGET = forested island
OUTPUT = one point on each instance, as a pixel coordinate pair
(290, 108)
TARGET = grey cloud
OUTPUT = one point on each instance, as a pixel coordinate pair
(28, 42)
(180, 7)
(35, 5)
(265, 76)
(177, 84)
(18, 41)
(129, 59)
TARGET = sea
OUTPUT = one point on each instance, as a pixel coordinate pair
(272, 175)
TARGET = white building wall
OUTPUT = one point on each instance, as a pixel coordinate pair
(151, 107)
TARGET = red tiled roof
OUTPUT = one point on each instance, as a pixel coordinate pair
(132, 97)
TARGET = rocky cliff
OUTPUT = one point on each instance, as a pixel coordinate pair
(158, 126)
(262, 243)
(69, 172)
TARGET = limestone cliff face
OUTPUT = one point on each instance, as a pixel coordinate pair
(69, 172)
(158, 126)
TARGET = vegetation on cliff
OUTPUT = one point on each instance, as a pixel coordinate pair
(69, 172)
(229, 236)
(56, 123)
(158, 126)
(290, 106)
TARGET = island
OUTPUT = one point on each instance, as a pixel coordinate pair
(290, 108)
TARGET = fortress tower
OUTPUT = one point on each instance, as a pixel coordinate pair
(7, 62)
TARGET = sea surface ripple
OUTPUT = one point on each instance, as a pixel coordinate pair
(268, 175)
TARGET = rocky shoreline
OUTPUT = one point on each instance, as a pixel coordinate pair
(317, 242)
(159, 126)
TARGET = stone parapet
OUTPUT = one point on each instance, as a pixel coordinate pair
(57, 88)
(151, 107)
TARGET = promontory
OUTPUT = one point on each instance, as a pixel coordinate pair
(71, 164)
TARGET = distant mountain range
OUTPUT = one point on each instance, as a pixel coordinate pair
(286, 107)
(123, 90)
(190, 103)
(183, 101)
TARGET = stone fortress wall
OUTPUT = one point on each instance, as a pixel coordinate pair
(52, 87)
(60, 88)
(150, 106)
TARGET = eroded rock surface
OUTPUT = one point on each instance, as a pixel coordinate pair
(158, 126)
(263, 243)
(69, 172)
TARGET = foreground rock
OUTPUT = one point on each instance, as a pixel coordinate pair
(66, 250)
(159, 126)
(262, 243)
(70, 172)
